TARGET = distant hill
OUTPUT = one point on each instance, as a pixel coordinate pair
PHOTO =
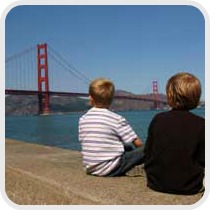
(124, 104)
(28, 105)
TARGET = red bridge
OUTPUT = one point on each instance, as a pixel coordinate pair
(27, 73)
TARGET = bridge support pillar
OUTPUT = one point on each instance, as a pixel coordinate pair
(43, 79)
(155, 94)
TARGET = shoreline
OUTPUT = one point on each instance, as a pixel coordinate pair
(43, 175)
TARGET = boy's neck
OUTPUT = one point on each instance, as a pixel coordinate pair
(101, 106)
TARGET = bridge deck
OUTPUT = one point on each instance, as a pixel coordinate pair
(34, 92)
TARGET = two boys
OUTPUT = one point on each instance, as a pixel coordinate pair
(174, 153)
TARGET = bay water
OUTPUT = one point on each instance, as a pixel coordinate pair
(62, 130)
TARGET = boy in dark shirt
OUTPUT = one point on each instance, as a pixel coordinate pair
(175, 146)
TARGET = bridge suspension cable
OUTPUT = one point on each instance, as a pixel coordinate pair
(18, 55)
(21, 70)
(69, 67)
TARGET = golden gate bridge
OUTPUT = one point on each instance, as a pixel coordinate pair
(28, 73)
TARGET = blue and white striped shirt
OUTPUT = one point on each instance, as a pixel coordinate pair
(102, 134)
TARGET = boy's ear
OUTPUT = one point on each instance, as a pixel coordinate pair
(90, 98)
(91, 101)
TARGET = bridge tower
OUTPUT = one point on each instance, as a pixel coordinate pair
(43, 79)
(155, 94)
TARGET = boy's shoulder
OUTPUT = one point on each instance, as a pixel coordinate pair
(101, 112)
(177, 114)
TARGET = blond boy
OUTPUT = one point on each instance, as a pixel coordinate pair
(103, 134)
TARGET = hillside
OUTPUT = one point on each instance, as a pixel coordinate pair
(124, 104)
(28, 105)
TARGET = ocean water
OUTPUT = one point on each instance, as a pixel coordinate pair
(62, 130)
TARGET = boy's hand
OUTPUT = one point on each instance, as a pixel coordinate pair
(138, 142)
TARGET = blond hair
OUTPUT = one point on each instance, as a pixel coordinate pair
(102, 91)
(183, 91)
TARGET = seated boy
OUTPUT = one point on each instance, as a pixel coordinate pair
(103, 135)
(175, 147)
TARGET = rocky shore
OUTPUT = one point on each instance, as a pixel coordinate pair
(41, 175)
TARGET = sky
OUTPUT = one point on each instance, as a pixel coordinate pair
(131, 45)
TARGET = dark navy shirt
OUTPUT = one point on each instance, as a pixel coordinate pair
(175, 152)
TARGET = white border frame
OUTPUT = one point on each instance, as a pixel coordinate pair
(5, 202)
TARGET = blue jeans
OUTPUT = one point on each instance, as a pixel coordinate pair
(129, 160)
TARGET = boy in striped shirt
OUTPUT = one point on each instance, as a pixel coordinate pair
(103, 135)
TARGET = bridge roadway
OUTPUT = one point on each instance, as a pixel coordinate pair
(54, 93)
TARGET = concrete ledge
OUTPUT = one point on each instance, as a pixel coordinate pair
(39, 175)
